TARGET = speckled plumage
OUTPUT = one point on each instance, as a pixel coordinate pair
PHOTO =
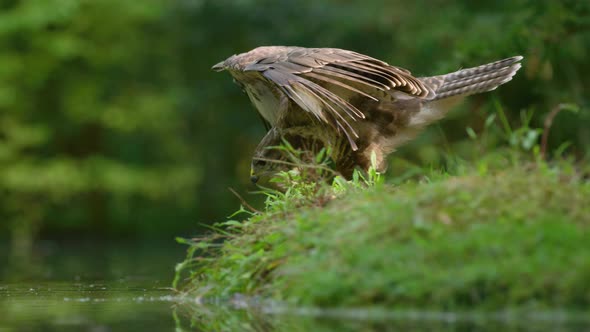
(356, 104)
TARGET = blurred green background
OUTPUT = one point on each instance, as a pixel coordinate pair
(113, 125)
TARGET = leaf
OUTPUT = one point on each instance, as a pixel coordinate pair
(320, 156)
(490, 120)
(530, 138)
(182, 240)
(503, 119)
(471, 133)
(233, 223)
(574, 108)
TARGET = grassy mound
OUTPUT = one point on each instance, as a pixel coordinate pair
(517, 237)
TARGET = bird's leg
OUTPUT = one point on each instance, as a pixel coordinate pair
(373, 156)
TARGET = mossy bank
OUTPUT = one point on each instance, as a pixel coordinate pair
(518, 237)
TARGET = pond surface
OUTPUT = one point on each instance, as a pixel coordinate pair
(126, 287)
(89, 287)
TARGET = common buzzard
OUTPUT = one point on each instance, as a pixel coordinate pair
(354, 104)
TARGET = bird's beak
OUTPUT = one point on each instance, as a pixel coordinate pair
(219, 67)
(253, 176)
(254, 179)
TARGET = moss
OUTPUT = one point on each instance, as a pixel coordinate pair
(511, 238)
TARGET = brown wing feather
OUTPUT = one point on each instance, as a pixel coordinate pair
(330, 80)
(351, 76)
(297, 72)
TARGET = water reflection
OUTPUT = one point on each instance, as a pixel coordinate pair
(223, 318)
(85, 306)
(89, 286)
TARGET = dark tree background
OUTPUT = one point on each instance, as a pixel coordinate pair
(112, 123)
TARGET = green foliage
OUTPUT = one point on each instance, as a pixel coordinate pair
(87, 127)
(512, 237)
(112, 121)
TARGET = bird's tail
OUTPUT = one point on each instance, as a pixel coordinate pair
(474, 80)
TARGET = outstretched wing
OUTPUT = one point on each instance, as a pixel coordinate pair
(305, 75)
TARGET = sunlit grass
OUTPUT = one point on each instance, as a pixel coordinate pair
(511, 237)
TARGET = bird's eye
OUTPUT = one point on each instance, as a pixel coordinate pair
(259, 163)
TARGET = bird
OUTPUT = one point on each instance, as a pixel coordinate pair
(358, 107)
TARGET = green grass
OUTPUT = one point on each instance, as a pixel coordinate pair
(516, 236)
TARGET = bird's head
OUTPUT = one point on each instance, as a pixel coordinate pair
(297, 150)
(235, 63)
(223, 65)
(237, 66)
(268, 158)
(263, 55)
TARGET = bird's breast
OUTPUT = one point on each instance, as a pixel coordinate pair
(265, 100)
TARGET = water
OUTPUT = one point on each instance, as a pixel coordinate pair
(90, 287)
(126, 287)
(76, 306)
